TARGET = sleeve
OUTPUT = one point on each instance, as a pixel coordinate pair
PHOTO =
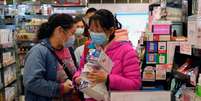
(130, 78)
(77, 55)
(34, 73)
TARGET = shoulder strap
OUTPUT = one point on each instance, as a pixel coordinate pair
(68, 73)
(71, 50)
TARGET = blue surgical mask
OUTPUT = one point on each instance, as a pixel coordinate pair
(79, 31)
(70, 41)
(98, 38)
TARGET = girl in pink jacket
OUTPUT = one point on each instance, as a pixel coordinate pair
(125, 74)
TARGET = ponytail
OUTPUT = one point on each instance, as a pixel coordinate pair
(46, 29)
(43, 31)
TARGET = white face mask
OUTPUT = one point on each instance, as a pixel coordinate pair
(98, 38)
(79, 31)
(70, 42)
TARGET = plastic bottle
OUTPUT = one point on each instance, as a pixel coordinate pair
(198, 87)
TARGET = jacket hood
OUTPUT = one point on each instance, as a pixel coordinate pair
(121, 38)
(116, 44)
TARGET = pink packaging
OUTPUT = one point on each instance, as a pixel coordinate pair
(161, 29)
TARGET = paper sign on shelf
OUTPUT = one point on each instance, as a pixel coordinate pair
(186, 48)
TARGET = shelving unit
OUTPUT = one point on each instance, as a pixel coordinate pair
(8, 70)
(162, 30)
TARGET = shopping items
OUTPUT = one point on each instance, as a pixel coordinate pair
(97, 60)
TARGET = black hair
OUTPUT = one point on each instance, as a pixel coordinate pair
(78, 19)
(46, 29)
(107, 21)
(91, 10)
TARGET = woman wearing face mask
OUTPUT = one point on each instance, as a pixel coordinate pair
(80, 27)
(80, 38)
(125, 74)
(48, 70)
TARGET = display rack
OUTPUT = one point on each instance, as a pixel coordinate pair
(8, 70)
(166, 27)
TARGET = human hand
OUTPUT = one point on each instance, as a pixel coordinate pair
(77, 80)
(97, 76)
(68, 86)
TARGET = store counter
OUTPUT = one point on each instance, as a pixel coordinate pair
(141, 96)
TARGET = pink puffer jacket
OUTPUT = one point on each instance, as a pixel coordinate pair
(125, 75)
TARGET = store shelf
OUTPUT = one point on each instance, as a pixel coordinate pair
(68, 5)
(11, 82)
(10, 64)
(6, 45)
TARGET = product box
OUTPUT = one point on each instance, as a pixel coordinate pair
(174, 14)
(149, 74)
(162, 29)
(9, 75)
(10, 93)
(161, 38)
(162, 58)
(151, 58)
(152, 46)
(160, 72)
(162, 47)
(194, 30)
(6, 36)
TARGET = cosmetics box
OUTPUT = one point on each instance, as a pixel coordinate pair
(149, 74)
(162, 29)
(162, 47)
(151, 58)
(162, 58)
(160, 72)
(152, 46)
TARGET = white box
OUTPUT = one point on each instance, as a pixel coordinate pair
(194, 30)
(141, 96)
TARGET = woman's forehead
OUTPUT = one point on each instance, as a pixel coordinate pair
(95, 24)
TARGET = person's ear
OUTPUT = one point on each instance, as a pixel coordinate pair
(112, 30)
